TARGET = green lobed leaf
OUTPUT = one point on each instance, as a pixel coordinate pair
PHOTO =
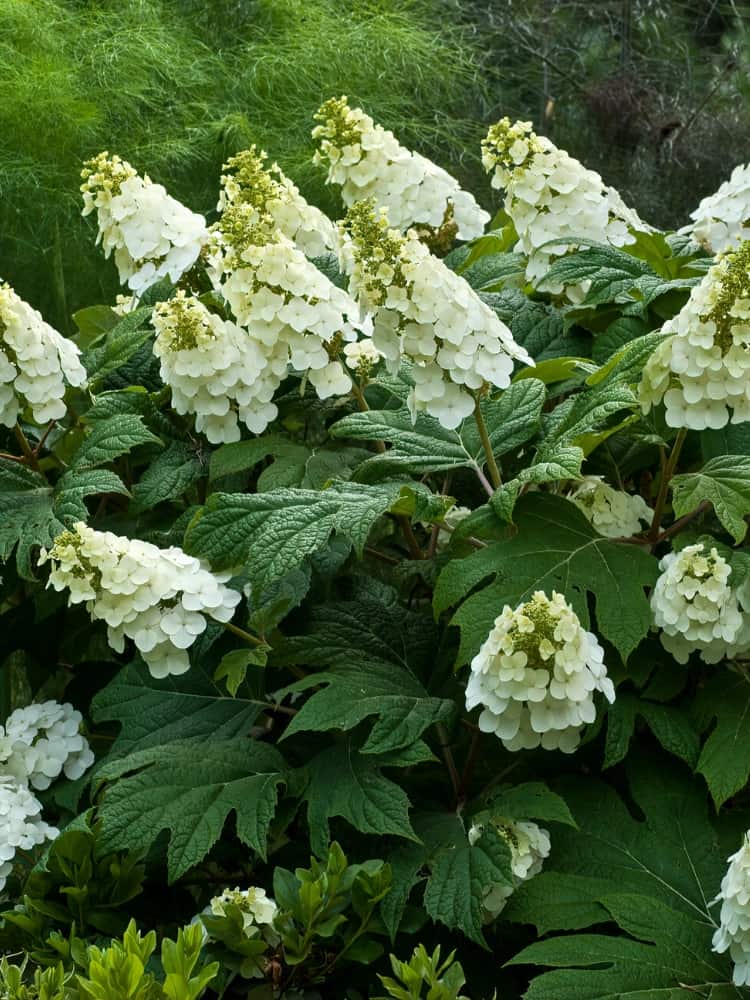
(111, 438)
(670, 724)
(555, 548)
(190, 787)
(725, 482)
(725, 758)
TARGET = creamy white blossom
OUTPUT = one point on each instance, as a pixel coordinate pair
(425, 312)
(159, 598)
(549, 195)
(529, 845)
(536, 675)
(733, 932)
(215, 368)
(695, 606)
(249, 180)
(153, 235)
(367, 161)
(258, 913)
(362, 356)
(701, 370)
(614, 513)
(36, 362)
(722, 220)
(40, 742)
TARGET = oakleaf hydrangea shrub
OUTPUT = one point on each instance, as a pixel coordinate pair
(375, 590)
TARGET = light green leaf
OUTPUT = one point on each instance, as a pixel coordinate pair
(190, 787)
(725, 482)
(725, 758)
(555, 548)
(343, 782)
(274, 531)
(111, 438)
(233, 667)
(552, 464)
(168, 477)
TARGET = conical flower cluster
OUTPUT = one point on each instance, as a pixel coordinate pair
(36, 362)
(37, 744)
(733, 933)
(613, 513)
(536, 675)
(426, 313)
(160, 598)
(722, 220)
(549, 195)
(529, 845)
(248, 180)
(152, 234)
(702, 371)
(368, 162)
(695, 607)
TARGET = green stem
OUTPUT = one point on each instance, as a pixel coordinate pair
(28, 453)
(236, 630)
(667, 474)
(486, 444)
(449, 759)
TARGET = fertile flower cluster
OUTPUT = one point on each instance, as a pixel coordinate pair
(702, 371)
(529, 845)
(258, 913)
(153, 235)
(37, 744)
(35, 363)
(696, 608)
(425, 312)
(549, 195)
(722, 220)
(268, 190)
(536, 675)
(159, 598)
(733, 932)
(216, 370)
(369, 162)
(613, 513)
(294, 312)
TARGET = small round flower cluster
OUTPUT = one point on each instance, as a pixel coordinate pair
(702, 371)
(289, 307)
(425, 312)
(362, 357)
(696, 608)
(159, 598)
(268, 190)
(216, 370)
(549, 195)
(536, 675)
(613, 513)
(35, 363)
(733, 932)
(37, 744)
(722, 220)
(258, 913)
(369, 162)
(152, 234)
(529, 845)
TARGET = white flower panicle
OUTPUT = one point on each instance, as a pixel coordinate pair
(549, 195)
(42, 741)
(258, 913)
(216, 369)
(536, 675)
(367, 161)
(292, 309)
(248, 180)
(425, 312)
(36, 362)
(37, 744)
(153, 235)
(612, 513)
(702, 371)
(722, 220)
(159, 598)
(733, 932)
(695, 607)
(529, 845)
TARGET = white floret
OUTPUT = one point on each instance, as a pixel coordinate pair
(722, 220)
(536, 674)
(367, 161)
